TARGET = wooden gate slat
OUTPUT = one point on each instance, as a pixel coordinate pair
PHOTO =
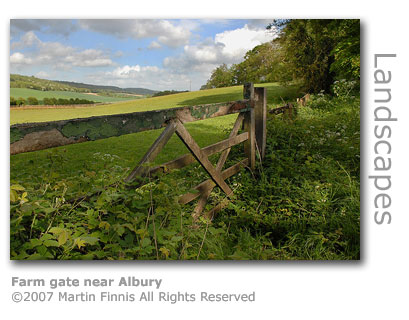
(187, 159)
(191, 144)
(142, 169)
(202, 187)
(220, 163)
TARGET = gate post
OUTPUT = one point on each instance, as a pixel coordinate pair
(249, 125)
(260, 114)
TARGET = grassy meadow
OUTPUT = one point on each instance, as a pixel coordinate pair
(275, 94)
(40, 95)
(302, 202)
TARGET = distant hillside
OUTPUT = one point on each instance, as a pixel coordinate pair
(19, 81)
(98, 88)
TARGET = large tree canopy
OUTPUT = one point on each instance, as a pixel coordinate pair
(320, 51)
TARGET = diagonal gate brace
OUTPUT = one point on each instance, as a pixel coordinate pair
(220, 163)
(194, 148)
(142, 169)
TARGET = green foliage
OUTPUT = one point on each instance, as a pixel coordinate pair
(32, 101)
(62, 102)
(347, 50)
(318, 51)
(13, 101)
(301, 203)
(261, 64)
(166, 93)
(221, 77)
(20, 101)
(344, 89)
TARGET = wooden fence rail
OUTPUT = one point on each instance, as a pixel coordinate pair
(252, 112)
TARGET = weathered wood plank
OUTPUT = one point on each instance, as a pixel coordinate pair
(191, 144)
(248, 90)
(260, 115)
(188, 158)
(142, 169)
(28, 137)
(249, 123)
(250, 145)
(220, 163)
(205, 185)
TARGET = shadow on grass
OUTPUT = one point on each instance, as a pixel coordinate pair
(212, 99)
(275, 95)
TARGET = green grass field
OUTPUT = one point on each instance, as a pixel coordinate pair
(275, 93)
(40, 95)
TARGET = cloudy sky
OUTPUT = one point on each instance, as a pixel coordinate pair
(154, 54)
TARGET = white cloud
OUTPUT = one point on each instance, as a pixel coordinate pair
(151, 77)
(18, 58)
(42, 75)
(55, 26)
(154, 45)
(166, 32)
(227, 47)
(129, 72)
(237, 42)
(27, 40)
(55, 54)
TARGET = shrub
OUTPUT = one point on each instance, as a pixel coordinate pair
(32, 101)
(20, 101)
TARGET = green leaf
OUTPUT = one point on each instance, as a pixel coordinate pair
(145, 242)
(13, 196)
(79, 242)
(62, 238)
(90, 240)
(56, 230)
(36, 242)
(165, 251)
(119, 230)
(176, 238)
(46, 236)
(17, 187)
(51, 243)
(35, 256)
(104, 225)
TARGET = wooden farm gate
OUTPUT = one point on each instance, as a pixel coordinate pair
(251, 111)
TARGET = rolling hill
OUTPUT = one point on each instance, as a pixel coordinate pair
(20, 81)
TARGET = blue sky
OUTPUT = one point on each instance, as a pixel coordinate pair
(159, 54)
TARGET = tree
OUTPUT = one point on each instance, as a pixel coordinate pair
(32, 101)
(347, 50)
(20, 101)
(13, 101)
(220, 77)
(264, 63)
(320, 50)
